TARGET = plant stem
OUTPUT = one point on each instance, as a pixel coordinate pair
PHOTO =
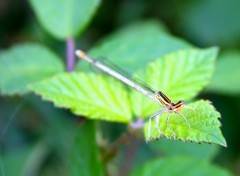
(112, 150)
(70, 56)
(139, 123)
(123, 139)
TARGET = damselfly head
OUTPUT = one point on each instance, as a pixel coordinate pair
(80, 53)
(181, 102)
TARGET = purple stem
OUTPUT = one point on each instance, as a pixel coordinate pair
(137, 124)
(70, 54)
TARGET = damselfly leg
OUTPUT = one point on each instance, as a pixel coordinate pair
(189, 107)
(168, 107)
(184, 118)
(157, 116)
(169, 126)
(157, 120)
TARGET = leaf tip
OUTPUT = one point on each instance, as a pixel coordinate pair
(224, 143)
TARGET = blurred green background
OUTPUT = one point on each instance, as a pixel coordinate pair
(35, 136)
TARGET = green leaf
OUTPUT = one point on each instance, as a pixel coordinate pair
(26, 64)
(27, 161)
(211, 22)
(180, 75)
(62, 18)
(226, 78)
(179, 148)
(179, 166)
(85, 156)
(59, 125)
(203, 120)
(93, 96)
(133, 46)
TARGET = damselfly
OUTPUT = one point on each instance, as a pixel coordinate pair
(158, 96)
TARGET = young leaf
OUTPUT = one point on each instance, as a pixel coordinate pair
(85, 156)
(180, 75)
(62, 18)
(226, 78)
(179, 166)
(133, 46)
(203, 120)
(93, 96)
(26, 64)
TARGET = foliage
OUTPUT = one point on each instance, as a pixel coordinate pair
(76, 16)
(87, 132)
(227, 69)
(69, 90)
(178, 148)
(204, 125)
(181, 75)
(80, 92)
(25, 64)
(150, 53)
(126, 48)
(182, 165)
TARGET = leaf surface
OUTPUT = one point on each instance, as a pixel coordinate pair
(203, 120)
(62, 18)
(226, 78)
(179, 166)
(85, 157)
(179, 75)
(95, 97)
(135, 45)
(179, 148)
(26, 64)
